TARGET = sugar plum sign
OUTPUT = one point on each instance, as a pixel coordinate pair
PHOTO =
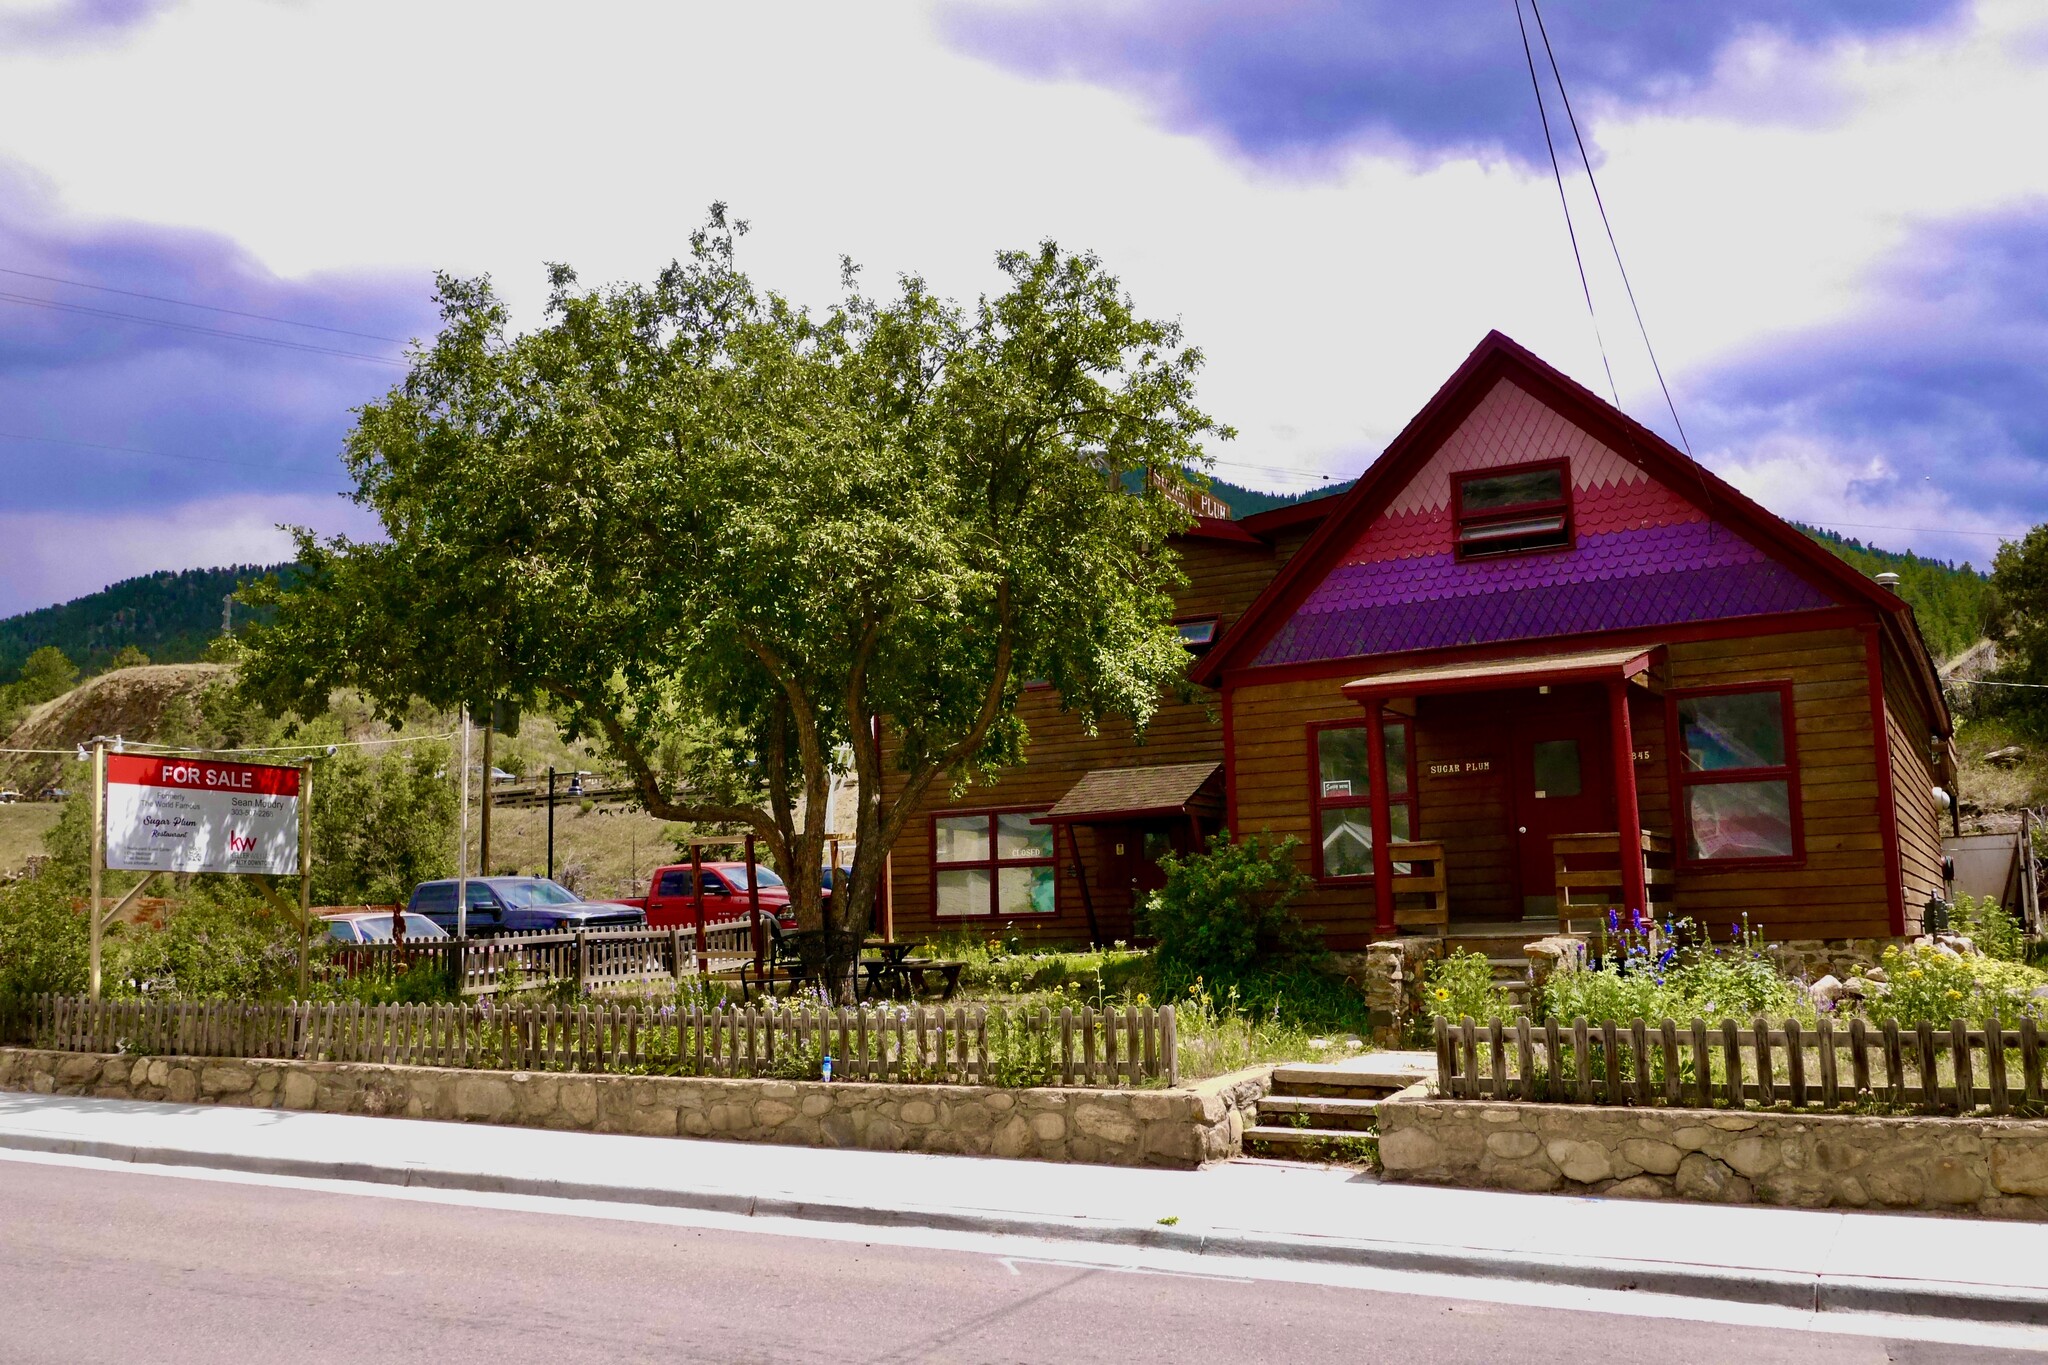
(192, 815)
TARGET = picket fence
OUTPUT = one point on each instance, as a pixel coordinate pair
(1957, 1069)
(589, 957)
(958, 1044)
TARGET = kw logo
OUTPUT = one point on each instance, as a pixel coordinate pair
(241, 843)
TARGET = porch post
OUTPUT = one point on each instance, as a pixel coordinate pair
(1382, 819)
(1627, 813)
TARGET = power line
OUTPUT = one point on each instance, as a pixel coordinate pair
(1543, 113)
(33, 302)
(1612, 244)
(211, 308)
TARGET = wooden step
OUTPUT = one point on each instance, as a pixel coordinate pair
(1357, 1116)
(1306, 1141)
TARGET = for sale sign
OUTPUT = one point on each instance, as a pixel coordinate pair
(189, 815)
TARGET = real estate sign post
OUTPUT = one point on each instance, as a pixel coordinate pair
(156, 813)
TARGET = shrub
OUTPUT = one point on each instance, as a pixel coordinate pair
(1660, 975)
(43, 942)
(1223, 915)
(1995, 933)
(1462, 984)
(1926, 985)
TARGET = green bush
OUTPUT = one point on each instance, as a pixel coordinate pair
(1462, 985)
(1995, 933)
(1665, 977)
(1224, 914)
(43, 942)
(1926, 985)
(219, 942)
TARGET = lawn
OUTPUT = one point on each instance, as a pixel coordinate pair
(22, 827)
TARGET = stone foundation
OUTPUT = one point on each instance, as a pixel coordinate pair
(1810, 959)
(1183, 1128)
(1996, 1167)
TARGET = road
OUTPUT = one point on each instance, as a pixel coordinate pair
(111, 1265)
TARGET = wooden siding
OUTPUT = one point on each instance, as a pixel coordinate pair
(1223, 579)
(1913, 782)
(1840, 888)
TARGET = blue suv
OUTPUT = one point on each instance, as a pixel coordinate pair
(516, 905)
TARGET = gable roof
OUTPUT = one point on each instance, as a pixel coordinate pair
(1497, 357)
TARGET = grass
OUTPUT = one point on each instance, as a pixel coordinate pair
(1989, 787)
(22, 827)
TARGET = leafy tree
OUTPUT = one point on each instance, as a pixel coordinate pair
(737, 540)
(1952, 602)
(47, 674)
(2019, 578)
(381, 825)
(128, 657)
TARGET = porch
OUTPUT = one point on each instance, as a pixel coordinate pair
(1521, 796)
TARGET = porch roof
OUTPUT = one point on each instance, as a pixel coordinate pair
(1527, 671)
(1126, 793)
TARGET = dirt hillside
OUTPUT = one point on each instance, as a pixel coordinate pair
(130, 702)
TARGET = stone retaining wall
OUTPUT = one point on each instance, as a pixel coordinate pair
(1184, 1127)
(1997, 1167)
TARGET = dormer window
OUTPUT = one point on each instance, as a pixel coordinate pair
(1197, 632)
(1513, 511)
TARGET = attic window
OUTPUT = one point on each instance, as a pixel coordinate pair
(1512, 511)
(1197, 633)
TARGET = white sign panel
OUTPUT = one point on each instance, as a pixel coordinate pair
(189, 815)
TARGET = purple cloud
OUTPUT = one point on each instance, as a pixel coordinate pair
(223, 418)
(1933, 394)
(69, 22)
(1283, 81)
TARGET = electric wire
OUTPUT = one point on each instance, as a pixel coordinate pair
(27, 300)
(130, 745)
(187, 303)
(1612, 244)
(133, 450)
(1543, 113)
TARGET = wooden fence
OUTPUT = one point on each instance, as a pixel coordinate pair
(957, 1044)
(589, 957)
(1958, 1069)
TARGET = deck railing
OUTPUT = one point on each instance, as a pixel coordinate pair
(1421, 888)
(1588, 868)
(958, 1044)
(1957, 1069)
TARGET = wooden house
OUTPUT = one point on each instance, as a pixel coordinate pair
(1534, 667)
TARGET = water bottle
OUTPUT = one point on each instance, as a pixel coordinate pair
(825, 1069)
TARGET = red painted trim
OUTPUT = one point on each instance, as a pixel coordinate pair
(992, 862)
(1382, 821)
(1229, 761)
(1494, 358)
(1674, 746)
(1734, 627)
(1887, 798)
(1628, 813)
(1216, 528)
(1533, 509)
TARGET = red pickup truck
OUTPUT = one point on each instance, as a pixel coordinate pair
(671, 900)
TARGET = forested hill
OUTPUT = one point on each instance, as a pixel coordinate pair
(1951, 601)
(168, 616)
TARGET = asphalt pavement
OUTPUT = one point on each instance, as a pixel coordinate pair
(117, 1265)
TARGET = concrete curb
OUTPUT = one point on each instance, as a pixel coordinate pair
(1788, 1289)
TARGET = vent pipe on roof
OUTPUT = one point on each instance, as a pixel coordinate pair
(1888, 581)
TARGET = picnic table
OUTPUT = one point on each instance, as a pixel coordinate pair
(894, 972)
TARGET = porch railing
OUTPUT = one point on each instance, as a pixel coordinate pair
(1422, 902)
(1589, 882)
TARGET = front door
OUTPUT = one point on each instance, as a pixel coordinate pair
(1564, 783)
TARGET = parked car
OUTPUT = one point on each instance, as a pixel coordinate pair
(513, 905)
(9, 797)
(376, 926)
(671, 900)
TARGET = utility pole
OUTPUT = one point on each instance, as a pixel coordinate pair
(99, 853)
(551, 824)
(462, 841)
(483, 853)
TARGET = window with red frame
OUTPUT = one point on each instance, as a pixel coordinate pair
(1342, 795)
(992, 863)
(1737, 786)
(1512, 511)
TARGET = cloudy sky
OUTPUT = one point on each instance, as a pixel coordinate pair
(1834, 213)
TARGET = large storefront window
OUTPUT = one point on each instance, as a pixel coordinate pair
(992, 863)
(1738, 791)
(1342, 795)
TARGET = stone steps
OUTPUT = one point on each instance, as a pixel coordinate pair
(1350, 1115)
(1312, 1143)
